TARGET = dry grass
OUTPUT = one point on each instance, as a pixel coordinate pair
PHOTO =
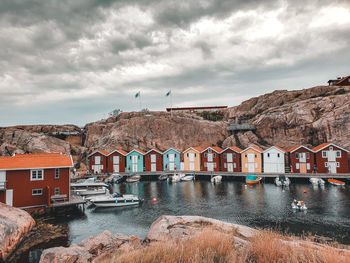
(211, 246)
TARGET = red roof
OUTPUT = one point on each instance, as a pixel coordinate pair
(283, 150)
(104, 152)
(35, 160)
(294, 148)
(199, 149)
(119, 151)
(236, 149)
(316, 149)
(217, 149)
(341, 80)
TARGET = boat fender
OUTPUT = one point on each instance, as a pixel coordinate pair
(124, 200)
(116, 201)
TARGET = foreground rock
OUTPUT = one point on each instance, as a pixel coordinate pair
(14, 225)
(87, 250)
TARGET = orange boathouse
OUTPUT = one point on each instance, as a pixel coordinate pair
(33, 180)
(252, 159)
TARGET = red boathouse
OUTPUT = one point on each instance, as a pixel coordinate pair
(34, 180)
(153, 161)
(301, 159)
(210, 160)
(331, 158)
(230, 159)
(116, 161)
(98, 162)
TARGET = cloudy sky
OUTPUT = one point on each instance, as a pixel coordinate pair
(68, 61)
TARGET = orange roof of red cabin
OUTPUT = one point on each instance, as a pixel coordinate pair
(36, 160)
(293, 148)
(217, 149)
(104, 152)
(234, 148)
(123, 152)
(283, 150)
(321, 146)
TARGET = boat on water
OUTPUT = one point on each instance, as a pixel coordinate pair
(115, 200)
(88, 188)
(163, 177)
(282, 180)
(336, 182)
(317, 181)
(298, 205)
(216, 179)
(187, 177)
(252, 179)
(133, 178)
(176, 177)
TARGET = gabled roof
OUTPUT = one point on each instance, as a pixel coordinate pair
(326, 144)
(155, 151)
(296, 147)
(36, 161)
(197, 149)
(233, 148)
(341, 80)
(103, 152)
(119, 151)
(276, 147)
(136, 150)
(214, 148)
(254, 147)
(170, 149)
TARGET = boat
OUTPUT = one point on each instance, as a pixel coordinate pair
(89, 188)
(115, 200)
(176, 177)
(282, 180)
(133, 178)
(336, 182)
(252, 179)
(162, 177)
(298, 205)
(187, 177)
(117, 178)
(317, 181)
(216, 179)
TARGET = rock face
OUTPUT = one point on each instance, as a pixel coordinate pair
(87, 250)
(159, 130)
(14, 225)
(287, 118)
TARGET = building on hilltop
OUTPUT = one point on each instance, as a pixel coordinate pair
(196, 109)
(35, 180)
(340, 81)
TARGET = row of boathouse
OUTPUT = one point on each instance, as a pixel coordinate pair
(325, 158)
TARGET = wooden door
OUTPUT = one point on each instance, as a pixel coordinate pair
(303, 169)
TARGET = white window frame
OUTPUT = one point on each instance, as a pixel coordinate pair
(57, 173)
(326, 164)
(32, 178)
(38, 191)
(297, 166)
(297, 156)
(338, 164)
(336, 155)
(57, 189)
(225, 165)
(324, 154)
(99, 159)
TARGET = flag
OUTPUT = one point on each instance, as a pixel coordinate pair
(168, 93)
(137, 94)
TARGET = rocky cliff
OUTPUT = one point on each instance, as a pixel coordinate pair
(14, 224)
(285, 118)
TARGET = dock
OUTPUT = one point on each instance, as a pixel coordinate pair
(74, 200)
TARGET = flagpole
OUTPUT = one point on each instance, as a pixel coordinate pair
(171, 103)
(140, 102)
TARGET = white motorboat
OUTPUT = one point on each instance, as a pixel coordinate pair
(133, 178)
(216, 179)
(89, 188)
(117, 178)
(176, 177)
(162, 177)
(282, 180)
(187, 177)
(115, 200)
(317, 181)
(298, 205)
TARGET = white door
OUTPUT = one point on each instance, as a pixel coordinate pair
(116, 164)
(172, 158)
(250, 157)
(251, 168)
(171, 166)
(210, 166)
(191, 161)
(229, 158)
(2, 179)
(331, 156)
(302, 157)
(153, 167)
(230, 167)
(192, 166)
(9, 197)
(153, 158)
(332, 167)
(134, 163)
(210, 157)
(97, 159)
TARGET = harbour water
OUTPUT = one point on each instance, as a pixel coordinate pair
(264, 205)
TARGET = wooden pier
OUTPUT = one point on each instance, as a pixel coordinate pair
(74, 200)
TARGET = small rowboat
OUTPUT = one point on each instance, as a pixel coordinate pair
(252, 179)
(335, 182)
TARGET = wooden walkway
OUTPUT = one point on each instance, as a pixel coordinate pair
(74, 200)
